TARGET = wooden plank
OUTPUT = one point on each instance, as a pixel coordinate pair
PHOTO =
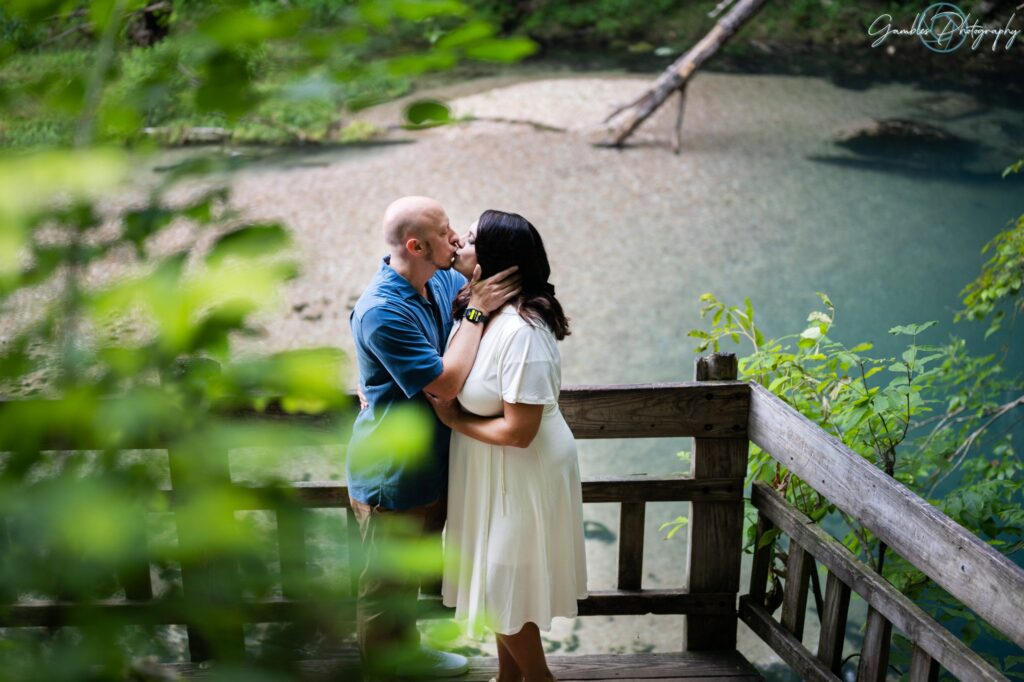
(874, 652)
(794, 600)
(645, 488)
(291, 545)
(923, 667)
(637, 488)
(715, 530)
(762, 561)
(631, 545)
(976, 574)
(784, 643)
(627, 603)
(135, 577)
(317, 429)
(355, 551)
(160, 612)
(694, 667)
(918, 626)
(833, 623)
(635, 603)
(7, 594)
(275, 610)
(708, 409)
(206, 578)
(712, 409)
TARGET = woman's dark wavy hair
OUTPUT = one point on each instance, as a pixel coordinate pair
(507, 239)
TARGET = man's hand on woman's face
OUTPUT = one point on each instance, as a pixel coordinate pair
(490, 294)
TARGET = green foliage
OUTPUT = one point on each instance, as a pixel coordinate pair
(596, 24)
(125, 361)
(137, 362)
(262, 71)
(1002, 277)
(674, 526)
(928, 417)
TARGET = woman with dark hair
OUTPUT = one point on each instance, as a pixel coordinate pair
(514, 552)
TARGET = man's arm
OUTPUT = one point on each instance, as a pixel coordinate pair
(516, 427)
(487, 295)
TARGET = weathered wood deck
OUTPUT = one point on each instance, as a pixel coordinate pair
(689, 666)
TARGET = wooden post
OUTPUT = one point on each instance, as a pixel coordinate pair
(135, 578)
(291, 547)
(631, 545)
(355, 552)
(794, 603)
(716, 528)
(211, 579)
(7, 595)
(833, 623)
(923, 667)
(762, 560)
(874, 653)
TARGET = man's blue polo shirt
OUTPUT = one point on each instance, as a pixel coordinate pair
(400, 338)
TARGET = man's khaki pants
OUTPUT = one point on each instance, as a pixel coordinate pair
(388, 589)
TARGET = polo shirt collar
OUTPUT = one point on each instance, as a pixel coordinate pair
(395, 281)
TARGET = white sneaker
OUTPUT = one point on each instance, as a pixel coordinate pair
(433, 663)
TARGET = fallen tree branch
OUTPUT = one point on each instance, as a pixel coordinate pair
(677, 132)
(676, 75)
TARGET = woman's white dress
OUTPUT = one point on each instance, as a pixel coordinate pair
(514, 549)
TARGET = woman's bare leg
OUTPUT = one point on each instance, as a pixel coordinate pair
(528, 652)
(508, 669)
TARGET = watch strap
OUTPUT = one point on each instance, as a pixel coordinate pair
(475, 315)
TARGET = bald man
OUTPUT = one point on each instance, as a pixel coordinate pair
(400, 325)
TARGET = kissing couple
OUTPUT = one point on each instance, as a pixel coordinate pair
(467, 328)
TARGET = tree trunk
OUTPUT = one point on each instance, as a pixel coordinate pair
(676, 76)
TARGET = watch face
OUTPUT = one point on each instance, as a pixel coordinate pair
(474, 315)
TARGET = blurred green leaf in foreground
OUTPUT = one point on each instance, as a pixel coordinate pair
(117, 372)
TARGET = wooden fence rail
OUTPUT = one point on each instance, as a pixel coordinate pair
(723, 416)
(970, 570)
(887, 606)
(714, 410)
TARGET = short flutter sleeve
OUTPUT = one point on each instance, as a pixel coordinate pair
(530, 369)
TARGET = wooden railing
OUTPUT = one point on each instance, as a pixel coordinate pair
(714, 412)
(723, 416)
(967, 568)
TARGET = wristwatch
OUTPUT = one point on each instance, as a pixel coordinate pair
(475, 316)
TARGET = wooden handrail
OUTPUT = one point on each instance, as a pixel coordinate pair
(711, 409)
(714, 409)
(881, 596)
(970, 570)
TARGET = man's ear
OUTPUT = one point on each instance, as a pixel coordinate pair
(414, 246)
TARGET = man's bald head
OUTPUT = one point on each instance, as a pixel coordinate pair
(411, 217)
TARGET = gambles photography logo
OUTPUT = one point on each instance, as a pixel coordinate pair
(944, 27)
